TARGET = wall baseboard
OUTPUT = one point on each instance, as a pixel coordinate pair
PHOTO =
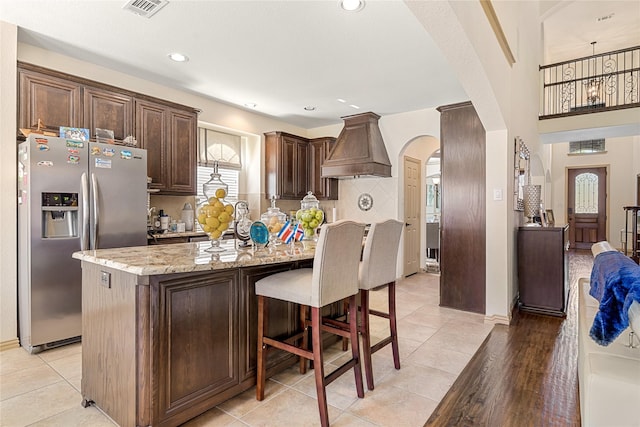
(497, 320)
(8, 345)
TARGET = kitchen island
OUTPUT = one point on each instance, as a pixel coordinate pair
(170, 331)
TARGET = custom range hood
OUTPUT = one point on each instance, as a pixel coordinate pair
(359, 150)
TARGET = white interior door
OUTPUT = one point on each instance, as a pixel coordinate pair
(412, 191)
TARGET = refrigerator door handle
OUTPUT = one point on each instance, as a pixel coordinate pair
(96, 212)
(84, 239)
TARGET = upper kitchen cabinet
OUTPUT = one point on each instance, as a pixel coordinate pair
(54, 100)
(323, 188)
(166, 130)
(169, 136)
(106, 109)
(286, 165)
(292, 167)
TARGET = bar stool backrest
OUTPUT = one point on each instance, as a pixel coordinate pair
(335, 265)
(378, 266)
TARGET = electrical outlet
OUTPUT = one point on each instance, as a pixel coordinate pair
(105, 279)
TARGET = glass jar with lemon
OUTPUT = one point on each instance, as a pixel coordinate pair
(274, 219)
(214, 214)
(309, 217)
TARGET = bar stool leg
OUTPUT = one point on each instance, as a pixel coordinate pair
(318, 365)
(305, 336)
(366, 337)
(262, 350)
(393, 325)
(355, 345)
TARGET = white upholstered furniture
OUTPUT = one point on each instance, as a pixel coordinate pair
(609, 377)
(334, 277)
(377, 270)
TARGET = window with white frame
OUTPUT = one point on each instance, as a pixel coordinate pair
(225, 149)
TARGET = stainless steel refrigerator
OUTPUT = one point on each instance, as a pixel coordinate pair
(72, 196)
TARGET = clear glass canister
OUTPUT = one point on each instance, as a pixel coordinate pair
(310, 216)
(274, 219)
(214, 214)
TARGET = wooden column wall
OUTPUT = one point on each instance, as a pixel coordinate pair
(463, 228)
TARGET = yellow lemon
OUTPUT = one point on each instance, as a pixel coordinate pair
(218, 205)
(229, 209)
(220, 193)
(215, 234)
(212, 200)
(202, 218)
(213, 222)
(206, 228)
(223, 226)
(224, 217)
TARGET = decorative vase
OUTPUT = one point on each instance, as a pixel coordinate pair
(214, 214)
(531, 195)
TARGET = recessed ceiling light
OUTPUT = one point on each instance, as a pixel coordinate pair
(310, 108)
(354, 106)
(251, 105)
(352, 5)
(342, 100)
(178, 57)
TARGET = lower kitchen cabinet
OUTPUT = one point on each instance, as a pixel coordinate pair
(543, 272)
(161, 349)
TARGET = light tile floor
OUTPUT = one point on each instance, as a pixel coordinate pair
(435, 345)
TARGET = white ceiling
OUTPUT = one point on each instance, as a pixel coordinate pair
(285, 55)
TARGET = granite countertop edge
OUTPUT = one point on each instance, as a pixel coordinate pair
(186, 258)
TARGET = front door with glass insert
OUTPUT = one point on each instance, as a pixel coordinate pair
(586, 206)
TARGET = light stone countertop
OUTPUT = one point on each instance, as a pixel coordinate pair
(189, 257)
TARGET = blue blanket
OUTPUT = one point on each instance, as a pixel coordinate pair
(615, 282)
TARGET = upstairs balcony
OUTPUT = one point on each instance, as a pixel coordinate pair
(597, 83)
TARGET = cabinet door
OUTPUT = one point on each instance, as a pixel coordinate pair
(287, 176)
(54, 101)
(194, 339)
(182, 152)
(301, 169)
(282, 320)
(151, 128)
(108, 110)
(323, 188)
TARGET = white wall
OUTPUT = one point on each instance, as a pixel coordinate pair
(621, 161)
(8, 195)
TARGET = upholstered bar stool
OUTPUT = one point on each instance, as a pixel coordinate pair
(378, 269)
(334, 277)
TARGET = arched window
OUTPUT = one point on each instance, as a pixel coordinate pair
(226, 149)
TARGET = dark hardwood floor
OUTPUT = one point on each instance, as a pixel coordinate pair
(524, 374)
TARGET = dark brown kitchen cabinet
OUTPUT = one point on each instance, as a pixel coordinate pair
(292, 167)
(105, 109)
(166, 130)
(169, 137)
(54, 100)
(323, 188)
(543, 269)
(286, 165)
(196, 330)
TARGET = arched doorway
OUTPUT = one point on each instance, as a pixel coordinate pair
(418, 149)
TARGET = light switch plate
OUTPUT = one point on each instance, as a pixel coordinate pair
(497, 194)
(105, 279)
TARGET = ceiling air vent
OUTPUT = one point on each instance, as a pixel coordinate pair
(146, 8)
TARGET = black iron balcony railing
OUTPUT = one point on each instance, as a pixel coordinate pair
(607, 81)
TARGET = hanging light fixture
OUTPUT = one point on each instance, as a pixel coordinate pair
(593, 84)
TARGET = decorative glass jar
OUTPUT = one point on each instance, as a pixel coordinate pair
(214, 214)
(274, 219)
(310, 216)
(242, 226)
